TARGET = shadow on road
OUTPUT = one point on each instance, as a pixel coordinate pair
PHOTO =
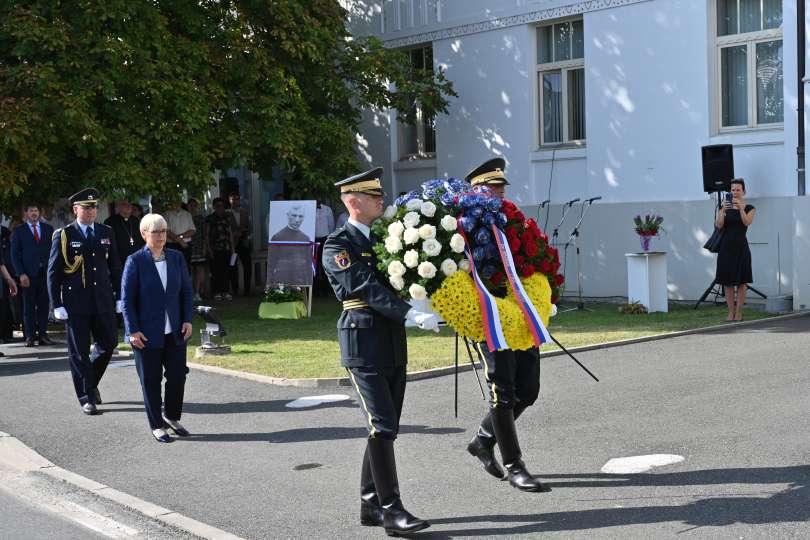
(273, 406)
(786, 505)
(313, 434)
(45, 362)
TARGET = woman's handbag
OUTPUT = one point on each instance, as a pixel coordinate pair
(714, 241)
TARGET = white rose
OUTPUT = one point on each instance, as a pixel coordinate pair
(427, 231)
(411, 235)
(396, 268)
(432, 247)
(413, 204)
(464, 264)
(389, 212)
(396, 229)
(397, 282)
(393, 244)
(417, 292)
(411, 219)
(449, 267)
(427, 270)
(428, 209)
(457, 243)
(411, 258)
(449, 223)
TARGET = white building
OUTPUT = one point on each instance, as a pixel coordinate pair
(613, 98)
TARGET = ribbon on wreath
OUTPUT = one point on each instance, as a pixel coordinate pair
(538, 330)
(493, 329)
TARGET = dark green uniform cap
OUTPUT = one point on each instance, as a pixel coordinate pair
(489, 172)
(366, 182)
(86, 197)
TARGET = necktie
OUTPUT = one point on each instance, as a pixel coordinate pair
(90, 235)
(36, 234)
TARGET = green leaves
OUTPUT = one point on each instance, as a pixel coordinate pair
(142, 96)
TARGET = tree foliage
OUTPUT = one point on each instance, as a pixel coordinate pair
(145, 96)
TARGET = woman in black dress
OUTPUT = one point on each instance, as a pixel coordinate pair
(734, 257)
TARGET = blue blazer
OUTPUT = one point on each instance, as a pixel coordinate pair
(27, 256)
(145, 303)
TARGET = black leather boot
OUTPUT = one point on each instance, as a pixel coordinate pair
(482, 446)
(371, 512)
(503, 422)
(396, 520)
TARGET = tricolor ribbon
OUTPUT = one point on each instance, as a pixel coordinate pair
(538, 330)
(493, 330)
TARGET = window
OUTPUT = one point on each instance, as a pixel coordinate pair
(561, 83)
(749, 56)
(419, 140)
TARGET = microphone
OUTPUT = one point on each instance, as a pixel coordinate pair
(590, 201)
(572, 202)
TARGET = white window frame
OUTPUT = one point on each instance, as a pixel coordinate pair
(561, 67)
(421, 139)
(750, 39)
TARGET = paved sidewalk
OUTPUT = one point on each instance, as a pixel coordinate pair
(734, 404)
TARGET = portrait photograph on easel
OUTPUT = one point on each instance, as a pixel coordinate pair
(291, 233)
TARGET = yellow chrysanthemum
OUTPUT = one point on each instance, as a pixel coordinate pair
(457, 302)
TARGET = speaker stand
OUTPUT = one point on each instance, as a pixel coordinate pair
(720, 290)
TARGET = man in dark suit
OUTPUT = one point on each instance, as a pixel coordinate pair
(84, 280)
(373, 349)
(30, 244)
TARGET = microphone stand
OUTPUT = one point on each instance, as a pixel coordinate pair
(555, 235)
(572, 239)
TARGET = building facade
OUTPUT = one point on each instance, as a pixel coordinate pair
(613, 99)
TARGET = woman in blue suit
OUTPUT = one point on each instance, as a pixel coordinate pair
(157, 297)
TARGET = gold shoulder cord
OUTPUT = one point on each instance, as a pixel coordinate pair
(77, 262)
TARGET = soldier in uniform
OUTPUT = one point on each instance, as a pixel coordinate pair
(84, 280)
(373, 348)
(513, 378)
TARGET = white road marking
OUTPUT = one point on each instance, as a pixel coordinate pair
(314, 401)
(639, 464)
(20, 485)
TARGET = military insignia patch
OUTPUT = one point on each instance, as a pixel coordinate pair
(343, 260)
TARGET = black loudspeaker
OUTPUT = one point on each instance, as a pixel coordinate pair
(718, 167)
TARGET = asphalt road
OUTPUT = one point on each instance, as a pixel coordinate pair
(734, 404)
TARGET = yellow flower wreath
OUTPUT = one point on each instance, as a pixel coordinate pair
(457, 302)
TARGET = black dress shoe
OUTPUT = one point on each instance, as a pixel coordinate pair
(45, 340)
(484, 449)
(90, 409)
(371, 514)
(398, 521)
(520, 478)
(29, 342)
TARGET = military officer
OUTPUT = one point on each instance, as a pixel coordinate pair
(84, 280)
(513, 378)
(373, 348)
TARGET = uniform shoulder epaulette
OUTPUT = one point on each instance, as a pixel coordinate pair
(56, 233)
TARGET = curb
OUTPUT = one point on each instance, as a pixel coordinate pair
(18, 456)
(337, 382)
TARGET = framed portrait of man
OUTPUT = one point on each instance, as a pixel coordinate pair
(291, 233)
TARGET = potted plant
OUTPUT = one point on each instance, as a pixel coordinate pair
(646, 228)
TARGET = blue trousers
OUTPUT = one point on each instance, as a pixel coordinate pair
(155, 364)
(35, 308)
(86, 370)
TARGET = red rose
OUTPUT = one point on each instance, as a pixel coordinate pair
(509, 209)
(514, 245)
(511, 234)
(519, 260)
(530, 248)
(545, 266)
(559, 279)
(554, 299)
(519, 216)
(544, 238)
(527, 270)
(527, 237)
(497, 277)
(555, 266)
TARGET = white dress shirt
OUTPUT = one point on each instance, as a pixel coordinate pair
(362, 228)
(161, 269)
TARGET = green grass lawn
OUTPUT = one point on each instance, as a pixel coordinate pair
(309, 347)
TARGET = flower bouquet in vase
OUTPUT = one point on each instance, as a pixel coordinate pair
(646, 228)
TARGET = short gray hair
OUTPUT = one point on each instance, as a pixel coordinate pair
(151, 222)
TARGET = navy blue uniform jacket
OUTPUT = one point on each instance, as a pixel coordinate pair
(27, 256)
(372, 336)
(94, 288)
(145, 303)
